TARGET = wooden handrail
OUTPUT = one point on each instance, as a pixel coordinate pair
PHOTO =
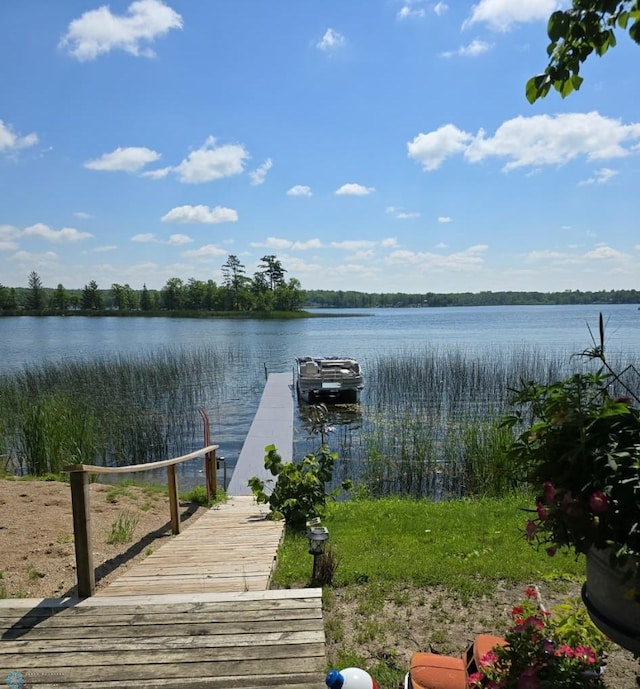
(79, 481)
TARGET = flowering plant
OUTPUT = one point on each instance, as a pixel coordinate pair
(581, 453)
(560, 649)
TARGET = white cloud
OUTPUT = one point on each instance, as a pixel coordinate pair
(258, 175)
(179, 239)
(205, 252)
(10, 141)
(8, 236)
(31, 257)
(399, 214)
(282, 244)
(354, 190)
(501, 15)
(129, 159)
(597, 255)
(389, 242)
(332, 40)
(606, 253)
(99, 31)
(601, 176)
(82, 215)
(144, 238)
(66, 234)
(440, 8)
(444, 219)
(407, 12)
(159, 173)
(433, 148)
(210, 162)
(530, 141)
(104, 249)
(353, 244)
(201, 214)
(309, 245)
(473, 49)
(469, 259)
(299, 190)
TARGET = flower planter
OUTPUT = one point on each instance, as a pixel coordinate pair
(612, 597)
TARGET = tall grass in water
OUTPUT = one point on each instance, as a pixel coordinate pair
(432, 420)
(116, 411)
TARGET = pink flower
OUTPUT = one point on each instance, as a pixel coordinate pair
(530, 530)
(549, 492)
(585, 653)
(475, 679)
(542, 511)
(598, 502)
(531, 621)
(564, 650)
(488, 658)
(529, 679)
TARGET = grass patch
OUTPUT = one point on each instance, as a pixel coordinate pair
(462, 545)
(198, 495)
(123, 528)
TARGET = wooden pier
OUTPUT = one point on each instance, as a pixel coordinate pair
(196, 614)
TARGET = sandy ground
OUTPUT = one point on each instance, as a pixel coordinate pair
(37, 561)
(37, 557)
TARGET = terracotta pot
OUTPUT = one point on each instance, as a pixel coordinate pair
(612, 597)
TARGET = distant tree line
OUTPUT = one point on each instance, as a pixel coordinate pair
(266, 291)
(350, 299)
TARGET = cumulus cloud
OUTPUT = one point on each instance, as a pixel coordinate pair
(82, 215)
(440, 8)
(399, 214)
(469, 259)
(530, 141)
(331, 40)
(144, 238)
(66, 234)
(201, 214)
(211, 162)
(282, 244)
(353, 244)
(205, 252)
(597, 255)
(129, 159)
(473, 49)
(501, 15)
(601, 176)
(354, 190)
(10, 141)
(258, 175)
(444, 219)
(158, 173)
(8, 237)
(299, 190)
(99, 31)
(408, 12)
(179, 240)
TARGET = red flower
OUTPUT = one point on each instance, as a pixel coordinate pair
(530, 592)
(542, 511)
(549, 492)
(598, 502)
(530, 530)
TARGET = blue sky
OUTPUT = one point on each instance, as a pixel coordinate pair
(373, 145)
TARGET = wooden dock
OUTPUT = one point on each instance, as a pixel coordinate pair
(195, 614)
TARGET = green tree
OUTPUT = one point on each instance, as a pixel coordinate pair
(8, 299)
(60, 299)
(145, 299)
(576, 33)
(273, 271)
(172, 295)
(91, 299)
(35, 295)
(124, 297)
(235, 282)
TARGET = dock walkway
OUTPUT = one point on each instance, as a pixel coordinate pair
(196, 614)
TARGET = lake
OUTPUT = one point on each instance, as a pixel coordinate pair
(272, 345)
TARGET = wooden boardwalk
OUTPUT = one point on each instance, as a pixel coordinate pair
(230, 548)
(195, 614)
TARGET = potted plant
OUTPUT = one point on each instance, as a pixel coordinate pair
(544, 650)
(580, 451)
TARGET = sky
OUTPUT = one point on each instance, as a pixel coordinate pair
(370, 145)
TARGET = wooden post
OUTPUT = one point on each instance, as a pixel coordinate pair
(212, 475)
(172, 480)
(79, 481)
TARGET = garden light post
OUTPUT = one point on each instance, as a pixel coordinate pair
(318, 536)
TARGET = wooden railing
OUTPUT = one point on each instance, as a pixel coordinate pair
(79, 480)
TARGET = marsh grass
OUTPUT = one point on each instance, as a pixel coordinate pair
(111, 411)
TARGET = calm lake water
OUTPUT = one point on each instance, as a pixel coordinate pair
(274, 344)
